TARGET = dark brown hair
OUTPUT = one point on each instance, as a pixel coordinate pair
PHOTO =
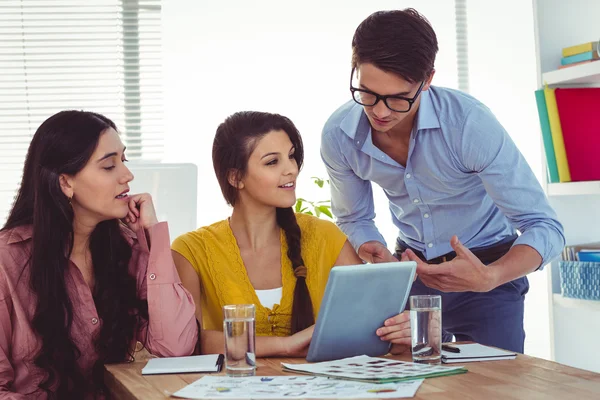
(63, 144)
(399, 41)
(234, 142)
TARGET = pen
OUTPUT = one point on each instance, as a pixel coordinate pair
(451, 349)
(219, 363)
(418, 347)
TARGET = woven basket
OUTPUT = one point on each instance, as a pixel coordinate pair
(580, 280)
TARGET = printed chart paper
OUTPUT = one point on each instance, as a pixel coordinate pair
(373, 369)
(293, 387)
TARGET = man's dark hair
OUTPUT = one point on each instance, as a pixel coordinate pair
(400, 41)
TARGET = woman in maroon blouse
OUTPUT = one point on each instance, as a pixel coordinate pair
(85, 268)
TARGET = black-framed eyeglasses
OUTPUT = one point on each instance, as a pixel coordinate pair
(393, 102)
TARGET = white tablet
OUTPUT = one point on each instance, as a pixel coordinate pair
(357, 300)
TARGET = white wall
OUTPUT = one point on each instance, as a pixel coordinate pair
(503, 75)
(294, 59)
(290, 58)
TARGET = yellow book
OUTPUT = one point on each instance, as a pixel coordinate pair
(580, 48)
(564, 175)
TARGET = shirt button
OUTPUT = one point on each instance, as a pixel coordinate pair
(152, 277)
(430, 245)
(415, 200)
(94, 320)
(426, 215)
(407, 176)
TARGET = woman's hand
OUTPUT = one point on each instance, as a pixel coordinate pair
(141, 212)
(396, 330)
(297, 344)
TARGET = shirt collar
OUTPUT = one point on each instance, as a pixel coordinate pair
(20, 234)
(350, 122)
(426, 116)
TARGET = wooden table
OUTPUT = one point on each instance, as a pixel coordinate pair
(523, 378)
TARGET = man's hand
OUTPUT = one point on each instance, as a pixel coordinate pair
(462, 274)
(375, 252)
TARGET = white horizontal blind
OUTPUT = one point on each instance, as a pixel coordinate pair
(462, 47)
(94, 55)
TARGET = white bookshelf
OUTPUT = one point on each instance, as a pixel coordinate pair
(587, 75)
(574, 188)
(560, 24)
(568, 302)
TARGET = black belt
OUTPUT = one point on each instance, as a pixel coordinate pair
(487, 254)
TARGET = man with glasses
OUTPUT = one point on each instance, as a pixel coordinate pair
(458, 187)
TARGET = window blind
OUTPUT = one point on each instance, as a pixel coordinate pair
(462, 47)
(94, 55)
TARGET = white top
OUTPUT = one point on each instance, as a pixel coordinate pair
(269, 297)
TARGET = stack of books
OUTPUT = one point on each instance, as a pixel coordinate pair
(569, 123)
(582, 252)
(570, 132)
(580, 54)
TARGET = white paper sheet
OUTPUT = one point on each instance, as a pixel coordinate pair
(293, 387)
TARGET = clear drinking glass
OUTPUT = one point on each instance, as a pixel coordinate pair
(239, 331)
(426, 328)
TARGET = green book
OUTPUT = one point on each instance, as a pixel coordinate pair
(373, 369)
(547, 136)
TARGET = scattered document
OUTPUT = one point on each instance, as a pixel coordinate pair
(373, 369)
(293, 387)
(475, 352)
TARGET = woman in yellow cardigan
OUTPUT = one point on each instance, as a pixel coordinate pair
(265, 254)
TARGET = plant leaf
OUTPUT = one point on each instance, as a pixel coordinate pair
(318, 181)
(325, 210)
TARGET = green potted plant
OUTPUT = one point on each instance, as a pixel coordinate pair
(316, 208)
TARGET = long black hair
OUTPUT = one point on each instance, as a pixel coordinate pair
(63, 144)
(234, 142)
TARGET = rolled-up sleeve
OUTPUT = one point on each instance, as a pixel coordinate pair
(351, 197)
(488, 150)
(172, 330)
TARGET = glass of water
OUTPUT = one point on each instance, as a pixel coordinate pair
(239, 331)
(426, 328)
